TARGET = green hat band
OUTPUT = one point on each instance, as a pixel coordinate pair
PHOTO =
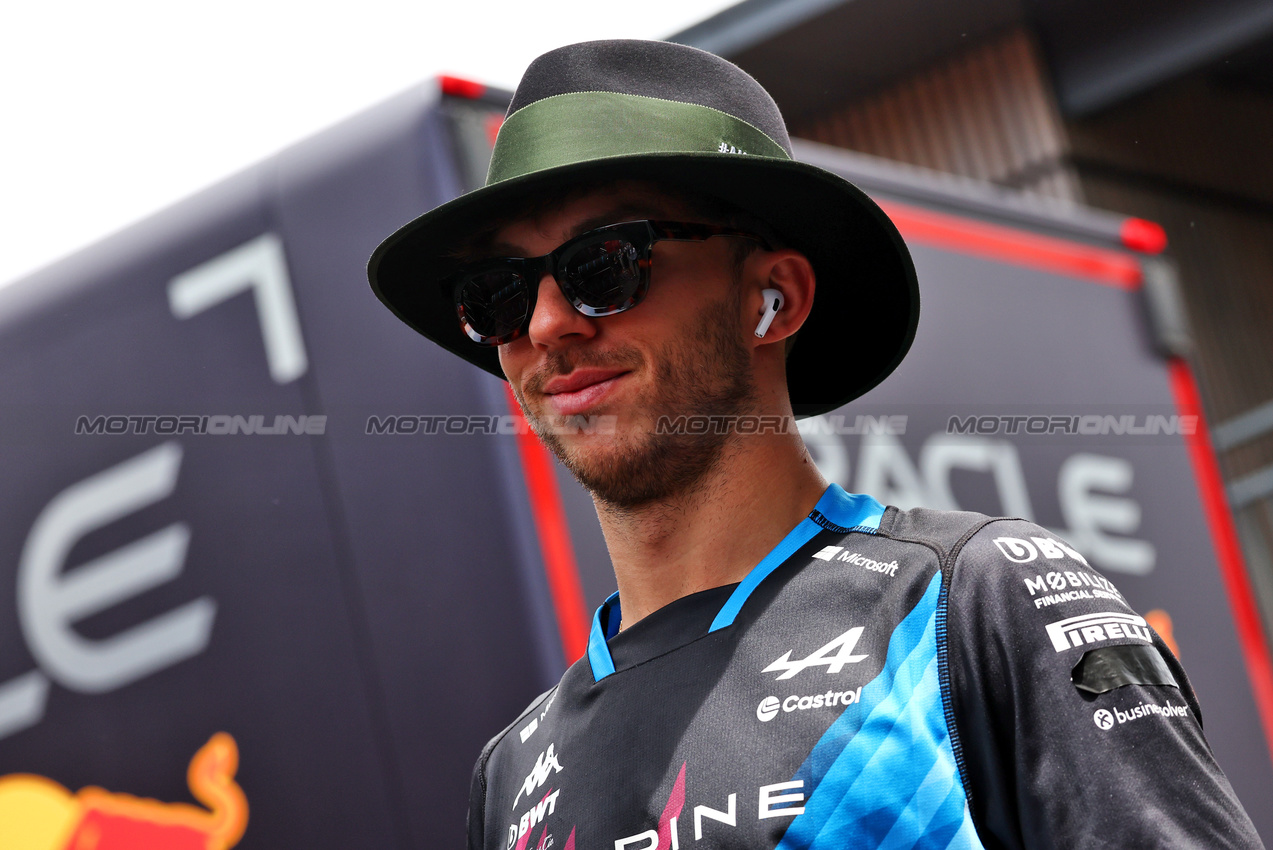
(582, 126)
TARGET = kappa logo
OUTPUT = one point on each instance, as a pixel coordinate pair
(1021, 551)
(545, 766)
(842, 647)
(1093, 628)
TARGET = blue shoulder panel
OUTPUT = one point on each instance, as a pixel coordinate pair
(844, 509)
(886, 767)
(851, 510)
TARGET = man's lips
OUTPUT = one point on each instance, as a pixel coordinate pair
(579, 379)
(572, 394)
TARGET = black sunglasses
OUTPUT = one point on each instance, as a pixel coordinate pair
(601, 272)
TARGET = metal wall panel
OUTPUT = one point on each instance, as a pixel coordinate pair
(986, 113)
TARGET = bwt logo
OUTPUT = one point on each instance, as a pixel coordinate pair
(1022, 551)
(51, 600)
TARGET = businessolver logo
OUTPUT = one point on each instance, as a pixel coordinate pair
(39, 814)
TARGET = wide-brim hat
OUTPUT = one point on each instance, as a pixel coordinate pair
(675, 115)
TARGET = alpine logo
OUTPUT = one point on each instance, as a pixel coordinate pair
(1094, 628)
(842, 647)
(545, 766)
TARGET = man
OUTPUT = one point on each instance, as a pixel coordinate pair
(785, 664)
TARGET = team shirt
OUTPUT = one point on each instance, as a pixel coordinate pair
(881, 679)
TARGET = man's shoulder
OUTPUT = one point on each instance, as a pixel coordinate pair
(980, 544)
(945, 531)
(525, 724)
(999, 567)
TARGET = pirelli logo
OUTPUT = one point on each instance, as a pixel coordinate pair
(1094, 628)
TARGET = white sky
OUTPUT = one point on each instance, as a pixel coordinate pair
(111, 110)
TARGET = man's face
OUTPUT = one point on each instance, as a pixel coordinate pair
(681, 351)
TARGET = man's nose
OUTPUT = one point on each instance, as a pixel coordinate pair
(555, 320)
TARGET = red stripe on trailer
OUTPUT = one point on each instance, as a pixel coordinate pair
(1215, 505)
(1143, 235)
(493, 123)
(460, 87)
(558, 553)
(1018, 247)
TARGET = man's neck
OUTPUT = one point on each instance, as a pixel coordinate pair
(716, 533)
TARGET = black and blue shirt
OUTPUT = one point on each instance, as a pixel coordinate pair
(881, 679)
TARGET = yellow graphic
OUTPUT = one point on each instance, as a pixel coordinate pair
(39, 814)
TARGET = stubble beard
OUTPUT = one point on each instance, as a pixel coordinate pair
(708, 377)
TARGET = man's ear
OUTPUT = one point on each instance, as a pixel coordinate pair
(791, 273)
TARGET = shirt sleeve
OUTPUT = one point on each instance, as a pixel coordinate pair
(477, 800)
(1075, 725)
(478, 785)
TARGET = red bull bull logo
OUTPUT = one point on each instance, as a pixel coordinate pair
(39, 814)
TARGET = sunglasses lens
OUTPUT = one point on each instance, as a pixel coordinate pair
(605, 275)
(493, 305)
(601, 273)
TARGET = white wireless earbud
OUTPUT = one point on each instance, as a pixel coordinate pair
(773, 303)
